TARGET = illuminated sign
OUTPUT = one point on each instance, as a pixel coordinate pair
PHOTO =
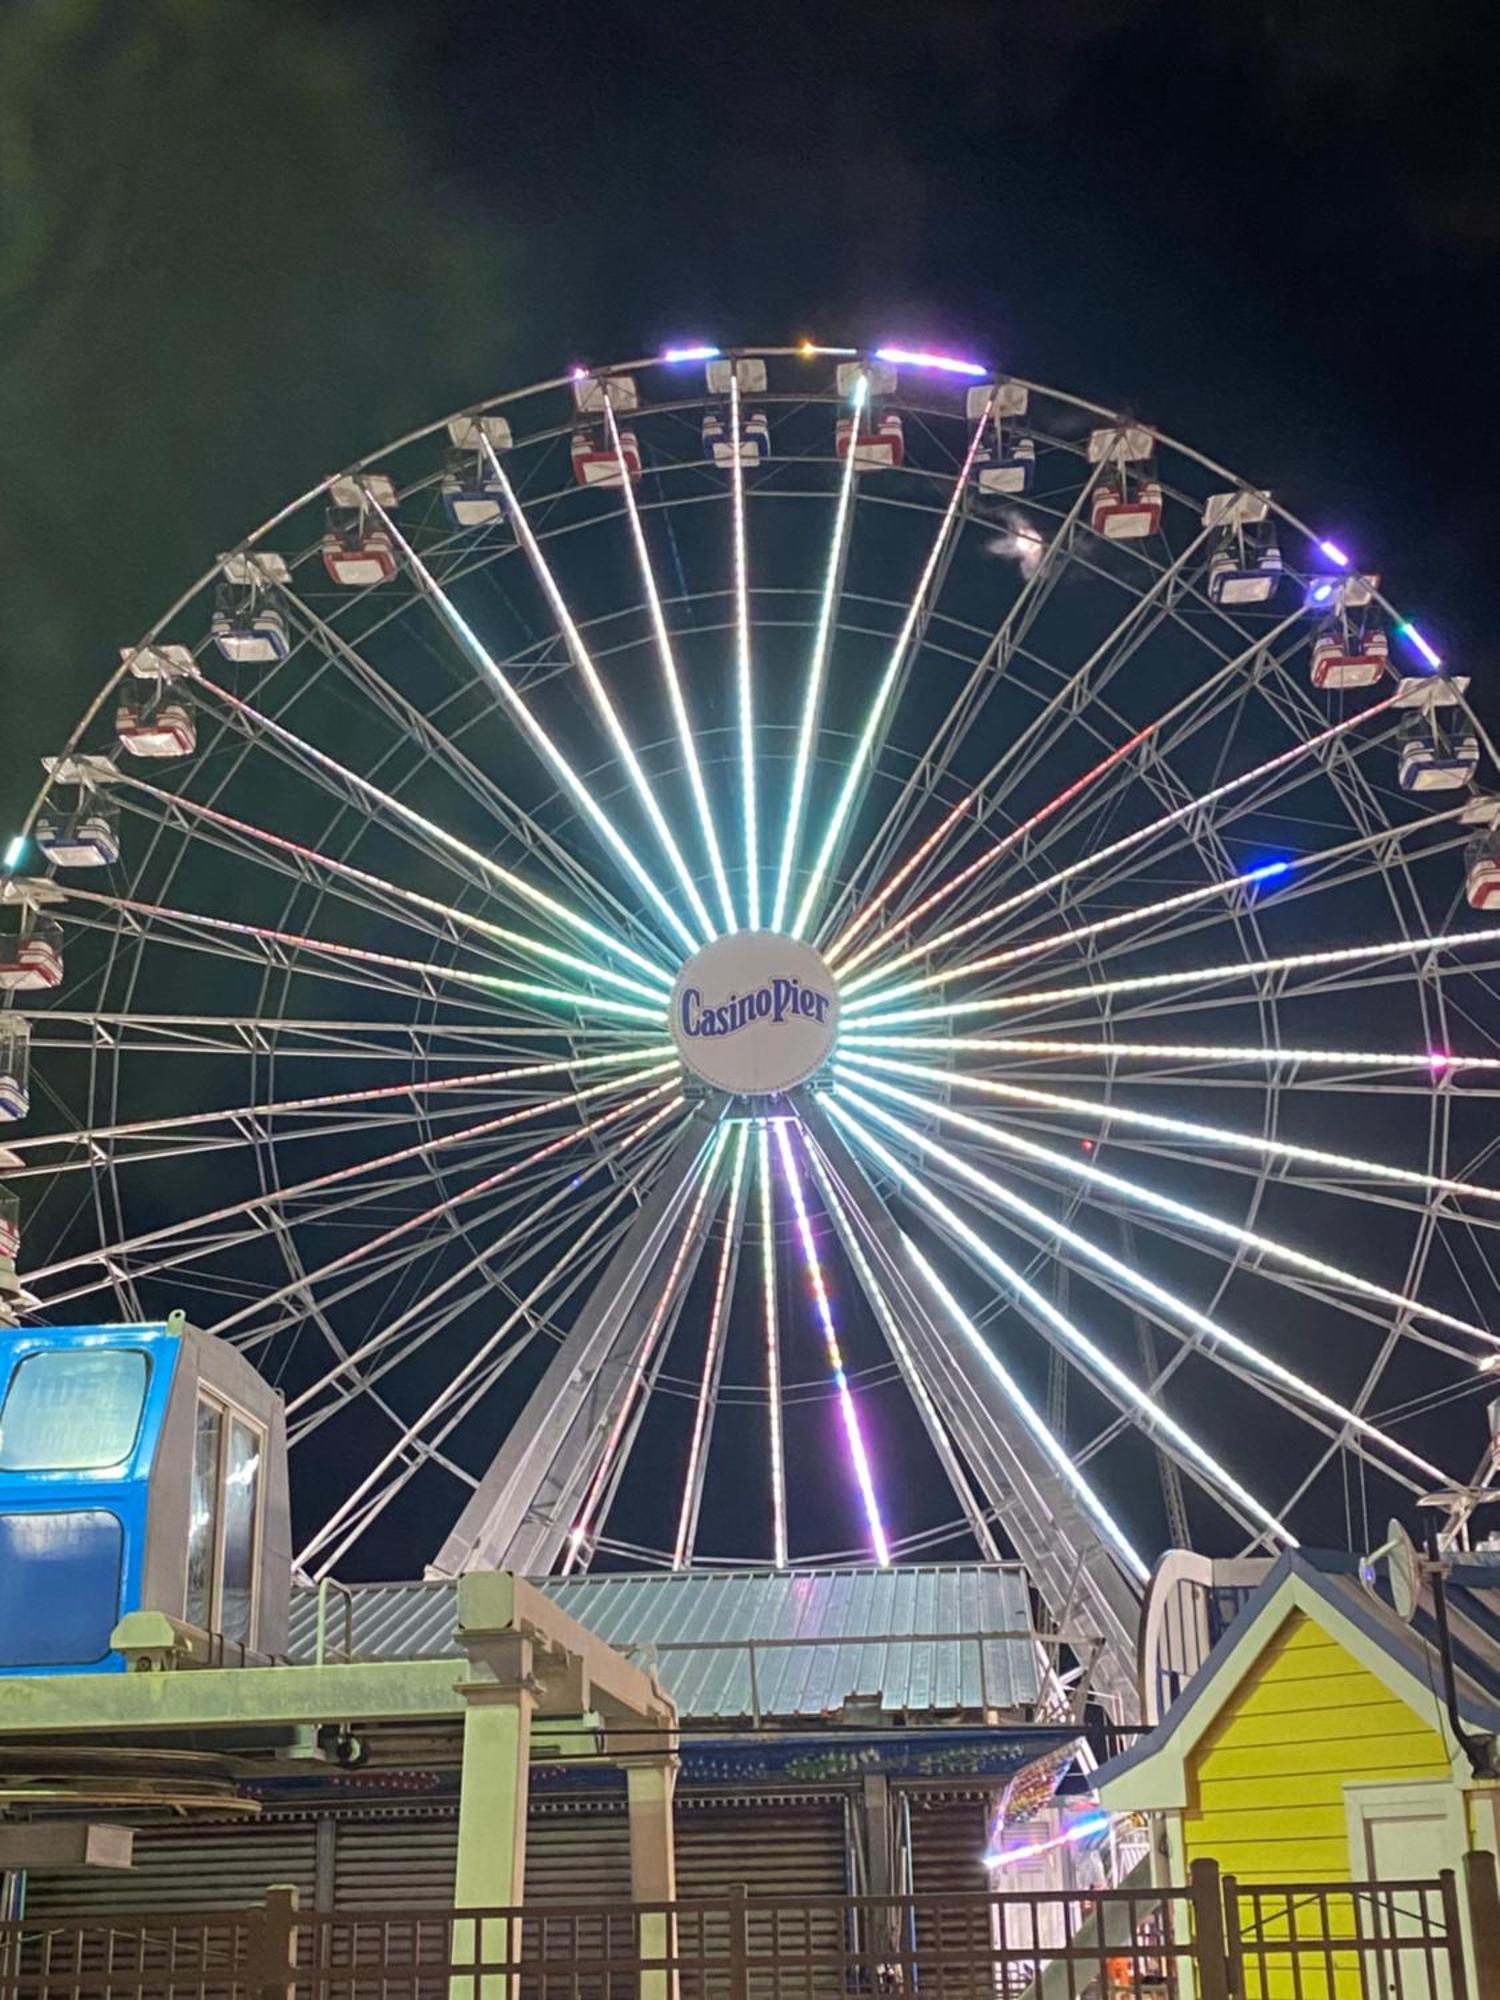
(755, 1012)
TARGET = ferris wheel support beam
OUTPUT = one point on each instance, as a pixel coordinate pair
(518, 1516)
(527, 832)
(436, 840)
(583, 660)
(921, 782)
(1071, 1566)
(890, 687)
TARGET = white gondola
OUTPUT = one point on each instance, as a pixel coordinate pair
(249, 631)
(155, 728)
(87, 838)
(473, 433)
(596, 462)
(718, 440)
(1012, 466)
(33, 963)
(1435, 756)
(10, 1232)
(1126, 513)
(1244, 570)
(1344, 660)
(471, 498)
(749, 371)
(15, 1067)
(879, 443)
(1482, 884)
(591, 394)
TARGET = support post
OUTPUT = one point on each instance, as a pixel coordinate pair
(1482, 1892)
(650, 1782)
(499, 1697)
(1211, 1957)
(273, 1944)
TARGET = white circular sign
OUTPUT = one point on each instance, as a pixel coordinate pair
(755, 1012)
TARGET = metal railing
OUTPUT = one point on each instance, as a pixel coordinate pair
(1211, 1940)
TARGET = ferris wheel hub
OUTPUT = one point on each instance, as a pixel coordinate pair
(755, 1012)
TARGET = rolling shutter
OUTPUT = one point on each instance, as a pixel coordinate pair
(783, 1848)
(401, 1863)
(948, 1839)
(219, 1867)
(578, 1856)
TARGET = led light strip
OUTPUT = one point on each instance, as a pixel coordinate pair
(1181, 1211)
(712, 1349)
(775, 1436)
(852, 1431)
(812, 701)
(743, 679)
(1119, 1387)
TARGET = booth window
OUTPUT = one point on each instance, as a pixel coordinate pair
(224, 1521)
(59, 1587)
(73, 1409)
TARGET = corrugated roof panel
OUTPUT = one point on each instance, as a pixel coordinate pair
(693, 1627)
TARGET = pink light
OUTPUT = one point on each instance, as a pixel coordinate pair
(1438, 1061)
(916, 357)
(852, 1430)
(1091, 1823)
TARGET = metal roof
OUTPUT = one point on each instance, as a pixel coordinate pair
(728, 1644)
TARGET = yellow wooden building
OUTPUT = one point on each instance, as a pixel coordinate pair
(1313, 1744)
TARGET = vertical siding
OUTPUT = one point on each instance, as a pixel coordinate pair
(1266, 1784)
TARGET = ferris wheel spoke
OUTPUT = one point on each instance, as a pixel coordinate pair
(911, 1370)
(715, 1336)
(889, 688)
(1344, 957)
(250, 1122)
(284, 948)
(1152, 927)
(384, 898)
(421, 726)
(270, 1200)
(435, 840)
(853, 1431)
(614, 1449)
(985, 675)
(1193, 1131)
(1196, 808)
(817, 671)
(288, 1037)
(358, 1363)
(743, 663)
(771, 1342)
(1095, 1177)
(304, 1286)
(1113, 1382)
(609, 716)
(677, 700)
(1069, 702)
(588, 1255)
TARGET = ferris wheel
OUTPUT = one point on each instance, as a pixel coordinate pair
(797, 955)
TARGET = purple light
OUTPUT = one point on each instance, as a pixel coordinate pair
(1091, 1823)
(916, 357)
(691, 354)
(857, 1452)
(1428, 652)
(580, 374)
(1335, 554)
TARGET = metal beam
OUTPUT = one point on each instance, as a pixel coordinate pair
(1074, 1573)
(518, 1515)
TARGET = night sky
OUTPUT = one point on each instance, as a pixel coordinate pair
(243, 244)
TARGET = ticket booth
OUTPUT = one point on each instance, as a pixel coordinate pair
(141, 1468)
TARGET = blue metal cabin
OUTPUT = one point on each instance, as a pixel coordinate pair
(141, 1468)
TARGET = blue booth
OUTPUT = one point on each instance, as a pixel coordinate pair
(141, 1468)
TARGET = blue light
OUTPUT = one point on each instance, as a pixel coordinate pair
(921, 357)
(14, 852)
(1322, 591)
(691, 354)
(1269, 868)
(1429, 653)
